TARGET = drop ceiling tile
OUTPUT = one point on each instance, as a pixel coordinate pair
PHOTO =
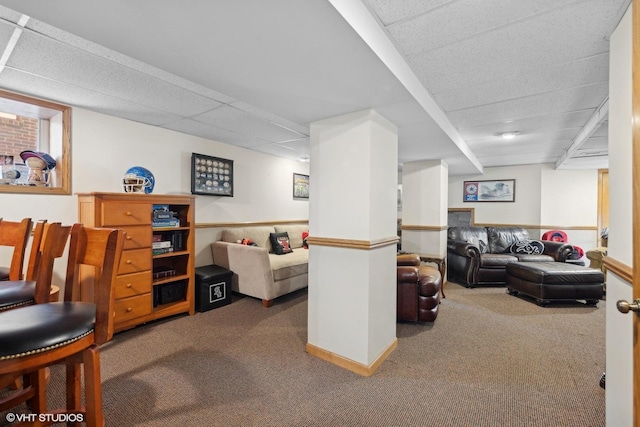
(270, 117)
(38, 86)
(587, 97)
(595, 143)
(6, 31)
(460, 20)
(203, 130)
(540, 137)
(390, 11)
(587, 71)
(566, 34)
(118, 58)
(573, 120)
(520, 159)
(57, 61)
(236, 120)
(603, 130)
(279, 150)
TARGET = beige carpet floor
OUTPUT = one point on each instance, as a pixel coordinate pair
(490, 359)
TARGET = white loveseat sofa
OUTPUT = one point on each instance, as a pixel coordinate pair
(257, 270)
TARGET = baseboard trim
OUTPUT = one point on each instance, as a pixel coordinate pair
(349, 364)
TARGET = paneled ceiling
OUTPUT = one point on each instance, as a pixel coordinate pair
(452, 74)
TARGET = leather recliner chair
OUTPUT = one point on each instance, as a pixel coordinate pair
(418, 298)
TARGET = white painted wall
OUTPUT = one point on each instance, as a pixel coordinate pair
(569, 198)
(525, 209)
(555, 199)
(104, 147)
(619, 327)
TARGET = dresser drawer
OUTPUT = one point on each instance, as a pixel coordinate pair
(136, 237)
(134, 261)
(129, 285)
(130, 308)
(115, 213)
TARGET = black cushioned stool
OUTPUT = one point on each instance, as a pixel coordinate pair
(555, 281)
(213, 287)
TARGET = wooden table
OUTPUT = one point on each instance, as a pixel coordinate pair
(441, 262)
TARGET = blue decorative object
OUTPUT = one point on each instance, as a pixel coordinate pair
(138, 180)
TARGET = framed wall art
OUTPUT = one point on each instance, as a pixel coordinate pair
(211, 176)
(300, 186)
(502, 190)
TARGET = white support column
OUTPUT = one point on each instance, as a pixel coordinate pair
(352, 241)
(424, 207)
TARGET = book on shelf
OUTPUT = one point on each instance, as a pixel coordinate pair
(162, 244)
(161, 251)
(171, 223)
(177, 240)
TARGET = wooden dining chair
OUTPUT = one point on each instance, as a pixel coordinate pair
(48, 244)
(68, 332)
(14, 234)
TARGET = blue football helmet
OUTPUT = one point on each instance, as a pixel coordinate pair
(138, 180)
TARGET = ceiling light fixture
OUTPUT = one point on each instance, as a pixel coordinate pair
(509, 135)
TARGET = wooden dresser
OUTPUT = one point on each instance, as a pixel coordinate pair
(156, 271)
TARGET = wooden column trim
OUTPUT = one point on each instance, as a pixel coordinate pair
(619, 268)
(424, 227)
(351, 243)
(351, 365)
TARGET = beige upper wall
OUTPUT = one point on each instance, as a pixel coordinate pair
(544, 196)
(104, 147)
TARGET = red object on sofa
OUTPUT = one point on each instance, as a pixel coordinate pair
(305, 234)
(555, 236)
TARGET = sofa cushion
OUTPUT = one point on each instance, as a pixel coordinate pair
(295, 233)
(468, 234)
(534, 258)
(501, 238)
(496, 260)
(289, 265)
(280, 243)
(260, 235)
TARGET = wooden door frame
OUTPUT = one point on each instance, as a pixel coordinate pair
(603, 203)
(635, 61)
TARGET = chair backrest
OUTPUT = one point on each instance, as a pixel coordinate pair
(100, 248)
(15, 234)
(53, 239)
(36, 250)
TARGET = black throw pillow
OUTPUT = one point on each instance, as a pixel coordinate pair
(530, 247)
(280, 243)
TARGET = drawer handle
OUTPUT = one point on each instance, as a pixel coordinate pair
(129, 309)
(129, 237)
(129, 261)
(129, 285)
(129, 214)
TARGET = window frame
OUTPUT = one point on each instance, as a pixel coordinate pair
(63, 165)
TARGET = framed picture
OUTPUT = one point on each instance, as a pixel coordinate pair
(502, 190)
(300, 186)
(211, 176)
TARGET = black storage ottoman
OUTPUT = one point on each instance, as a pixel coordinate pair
(555, 281)
(213, 287)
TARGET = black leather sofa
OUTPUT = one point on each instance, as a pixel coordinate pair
(478, 256)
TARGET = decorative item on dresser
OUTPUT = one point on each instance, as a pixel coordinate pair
(155, 277)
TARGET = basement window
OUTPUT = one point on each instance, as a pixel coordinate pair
(43, 129)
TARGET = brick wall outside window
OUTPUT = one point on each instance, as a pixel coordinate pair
(18, 135)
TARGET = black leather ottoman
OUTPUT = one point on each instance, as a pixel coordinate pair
(555, 281)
